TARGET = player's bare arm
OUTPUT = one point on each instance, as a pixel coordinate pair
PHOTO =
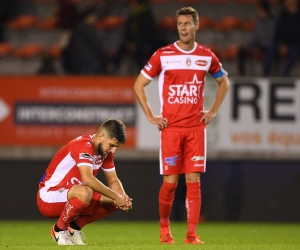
(139, 89)
(115, 184)
(89, 180)
(224, 85)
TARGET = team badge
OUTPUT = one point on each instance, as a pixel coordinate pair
(188, 62)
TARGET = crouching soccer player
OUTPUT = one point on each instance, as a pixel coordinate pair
(70, 191)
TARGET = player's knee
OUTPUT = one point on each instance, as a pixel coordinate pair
(85, 194)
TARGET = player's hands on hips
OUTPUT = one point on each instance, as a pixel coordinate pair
(207, 116)
(160, 122)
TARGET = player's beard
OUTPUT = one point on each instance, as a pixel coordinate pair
(100, 150)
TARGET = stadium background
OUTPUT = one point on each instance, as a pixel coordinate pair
(253, 168)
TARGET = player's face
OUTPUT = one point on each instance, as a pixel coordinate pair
(106, 146)
(186, 28)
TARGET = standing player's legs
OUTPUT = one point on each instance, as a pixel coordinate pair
(170, 168)
(194, 164)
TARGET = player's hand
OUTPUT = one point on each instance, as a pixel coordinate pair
(129, 204)
(207, 116)
(123, 202)
(160, 122)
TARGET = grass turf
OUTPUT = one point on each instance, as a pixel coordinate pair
(112, 235)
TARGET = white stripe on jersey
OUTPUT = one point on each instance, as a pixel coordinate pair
(108, 169)
(60, 172)
(185, 62)
(84, 164)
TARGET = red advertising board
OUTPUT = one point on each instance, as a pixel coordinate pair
(50, 111)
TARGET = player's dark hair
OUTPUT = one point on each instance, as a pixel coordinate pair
(115, 129)
(188, 11)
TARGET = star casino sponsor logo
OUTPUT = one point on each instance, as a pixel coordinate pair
(171, 161)
(187, 93)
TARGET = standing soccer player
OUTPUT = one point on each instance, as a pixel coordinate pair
(69, 189)
(181, 68)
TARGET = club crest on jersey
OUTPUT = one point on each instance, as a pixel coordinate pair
(188, 62)
(88, 144)
(85, 156)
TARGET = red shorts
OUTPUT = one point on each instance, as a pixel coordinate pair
(52, 204)
(182, 152)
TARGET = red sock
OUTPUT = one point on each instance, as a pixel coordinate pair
(166, 198)
(99, 212)
(71, 210)
(193, 205)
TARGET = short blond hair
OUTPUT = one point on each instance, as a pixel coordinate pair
(188, 11)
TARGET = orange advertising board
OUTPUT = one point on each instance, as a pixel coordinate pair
(50, 111)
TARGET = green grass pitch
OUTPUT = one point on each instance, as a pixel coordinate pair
(114, 235)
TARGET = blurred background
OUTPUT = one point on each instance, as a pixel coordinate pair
(68, 65)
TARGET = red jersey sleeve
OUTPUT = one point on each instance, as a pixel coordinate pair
(215, 64)
(82, 152)
(153, 66)
(108, 163)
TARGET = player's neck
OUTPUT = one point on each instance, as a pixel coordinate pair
(186, 46)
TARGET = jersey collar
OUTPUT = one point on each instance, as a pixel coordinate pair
(186, 51)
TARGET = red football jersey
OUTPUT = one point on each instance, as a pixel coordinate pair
(181, 80)
(63, 170)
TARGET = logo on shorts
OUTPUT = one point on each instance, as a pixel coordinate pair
(171, 161)
(197, 158)
(61, 189)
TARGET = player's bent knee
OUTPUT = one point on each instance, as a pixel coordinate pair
(86, 194)
(83, 193)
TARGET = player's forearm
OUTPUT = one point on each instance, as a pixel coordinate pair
(99, 187)
(117, 187)
(141, 95)
(220, 95)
